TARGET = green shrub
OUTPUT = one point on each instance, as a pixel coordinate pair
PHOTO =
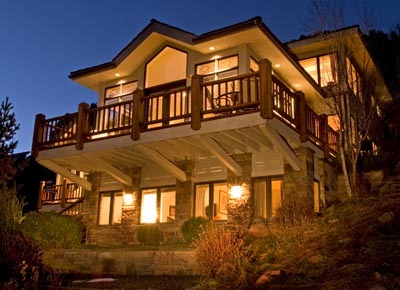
(50, 230)
(192, 228)
(149, 235)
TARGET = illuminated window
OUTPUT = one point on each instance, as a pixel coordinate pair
(267, 193)
(110, 208)
(212, 201)
(158, 205)
(254, 66)
(120, 93)
(353, 79)
(334, 122)
(219, 68)
(321, 68)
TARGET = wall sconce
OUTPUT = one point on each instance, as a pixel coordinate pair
(236, 191)
(128, 199)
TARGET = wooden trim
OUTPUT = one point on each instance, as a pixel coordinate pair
(266, 97)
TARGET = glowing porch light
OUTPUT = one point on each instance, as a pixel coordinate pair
(128, 199)
(236, 192)
(117, 75)
(149, 208)
(211, 48)
(277, 65)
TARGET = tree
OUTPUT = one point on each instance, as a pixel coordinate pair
(10, 205)
(356, 88)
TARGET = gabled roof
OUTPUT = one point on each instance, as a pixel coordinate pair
(252, 33)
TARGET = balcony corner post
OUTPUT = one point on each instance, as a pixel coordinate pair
(137, 114)
(37, 134)
(40, 196)
(302, 121)
(266, 96)
(197, 104)
(82, 126)
(324, 134)
(64, 193)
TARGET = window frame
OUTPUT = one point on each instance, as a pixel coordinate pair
(121, 96)
(112, 193)
(318, 66)
(216, 73)
(211, 216)
(268, 192)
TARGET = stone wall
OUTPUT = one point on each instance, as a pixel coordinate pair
(122, 262)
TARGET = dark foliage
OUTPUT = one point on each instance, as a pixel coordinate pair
(149, 235)
(192, 228)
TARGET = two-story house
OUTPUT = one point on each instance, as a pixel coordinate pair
(187, 124)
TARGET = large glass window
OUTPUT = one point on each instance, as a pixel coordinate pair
(219, 68)
(212, 201)
(353, 79)
(120, 93)
(321, 68)
(267, 196)
(158, 205)
(110, 208)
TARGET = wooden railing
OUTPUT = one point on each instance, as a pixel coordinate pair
(259, 91)
(59, 194)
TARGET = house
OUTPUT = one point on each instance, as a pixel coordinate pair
(188, 124)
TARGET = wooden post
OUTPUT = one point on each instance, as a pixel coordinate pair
(266, 96)
(197, 102)
(38, 134)
(324, 134)
(137, 114)
(40, 196)
(64, 193)
(302, 116)
(82, 126)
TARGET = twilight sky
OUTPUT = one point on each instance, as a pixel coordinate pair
(42, 41)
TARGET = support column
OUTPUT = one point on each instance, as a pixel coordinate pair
(184, 200)
(37, 134)
(91, 205)
(197, 104)
(300, 184)
(82, 126)
(302, 116)
(137, 114)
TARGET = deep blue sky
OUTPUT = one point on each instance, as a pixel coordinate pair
(42, 41)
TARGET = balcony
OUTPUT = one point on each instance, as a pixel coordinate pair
(260, 92)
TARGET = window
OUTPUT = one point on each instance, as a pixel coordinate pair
(110, 208)
(219, 68)
(212, 201)
(321, 68)
(120, 93)
(267, 196)
(254, 66)
(158, 205)
(353, 79)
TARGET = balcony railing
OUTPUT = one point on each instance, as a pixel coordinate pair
(62, 194)
(254, 92)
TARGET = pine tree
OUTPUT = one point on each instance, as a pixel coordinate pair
(10, 205)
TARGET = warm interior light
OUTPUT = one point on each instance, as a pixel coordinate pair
(128, 198)
(297, 85)
(212, 48)
(149, 208)
(121, 82)
(236, 191)
(277, 65)
(117, 75)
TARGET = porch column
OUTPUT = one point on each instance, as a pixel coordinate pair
(63, 193)
(137, 114)
(91, 206)
(40, 196)
(184, 200)
(302, 116)
(298, 186)
(37, 134)
(240, 207)
(82, 126)
(266, 96)
(197, 104)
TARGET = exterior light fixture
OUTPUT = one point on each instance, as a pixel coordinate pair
(117, 75)
(277, 65)
(211, 48)
(128, 199)
(236, 192)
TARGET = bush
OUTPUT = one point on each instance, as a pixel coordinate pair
(50, 230)
(294, 211)
(149, 235)
(225, 257)
(192, 228)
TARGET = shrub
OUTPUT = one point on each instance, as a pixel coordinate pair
(225, 257)
(149, 235)
(294, 211)
(192, 228)
(50, 230)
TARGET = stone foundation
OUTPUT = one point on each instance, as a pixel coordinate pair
(123, 262)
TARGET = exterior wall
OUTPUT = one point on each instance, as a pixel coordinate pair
(328, 179)
(120, 262)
